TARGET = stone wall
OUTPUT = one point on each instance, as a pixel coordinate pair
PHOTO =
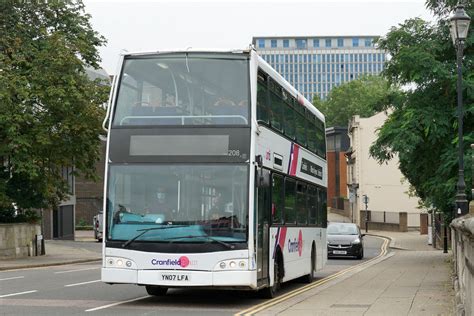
(463, 254)
(345, 212)
(16, 240)
(401, 226)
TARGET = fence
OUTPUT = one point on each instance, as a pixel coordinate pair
(439, 230)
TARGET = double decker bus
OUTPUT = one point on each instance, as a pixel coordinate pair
(215, 176)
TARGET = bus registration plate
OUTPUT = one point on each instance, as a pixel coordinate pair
(340, 252)
(175, 277)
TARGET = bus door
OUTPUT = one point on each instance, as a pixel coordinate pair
(263, 199)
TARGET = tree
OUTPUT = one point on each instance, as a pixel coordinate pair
(422, 129)
(364, 96)
(50, 114)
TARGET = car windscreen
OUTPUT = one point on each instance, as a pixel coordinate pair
(342, 229)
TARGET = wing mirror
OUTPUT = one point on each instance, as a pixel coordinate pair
(263, 178)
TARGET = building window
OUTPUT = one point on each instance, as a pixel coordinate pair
(328, 42)
(316, 43)
(261, 43)
(286, 43)
(300, 43)
(273, 43)
(368, 42)
(355, 42)
(340, 42)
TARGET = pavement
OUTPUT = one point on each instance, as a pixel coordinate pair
(59, 252)
(412, 279)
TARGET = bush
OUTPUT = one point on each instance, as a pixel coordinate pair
(11, 215)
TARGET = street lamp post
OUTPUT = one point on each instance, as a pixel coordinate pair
(459, 30)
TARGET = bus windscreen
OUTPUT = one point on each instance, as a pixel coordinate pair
(184, 89)
(205, 201)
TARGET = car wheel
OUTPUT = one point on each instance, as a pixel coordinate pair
(361, 254)
(156, 290)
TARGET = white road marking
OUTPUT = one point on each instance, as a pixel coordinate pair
(19, 293)
(76, 284)
(115, 304)
(12, 278)
(77, 270)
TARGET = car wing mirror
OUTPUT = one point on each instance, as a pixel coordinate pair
(363, 235)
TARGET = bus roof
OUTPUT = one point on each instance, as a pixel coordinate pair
(187, 50)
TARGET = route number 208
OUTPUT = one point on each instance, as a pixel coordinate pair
(233, 152)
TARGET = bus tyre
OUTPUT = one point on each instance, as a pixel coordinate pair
(156, 290)
(270, 292)
(310, 277)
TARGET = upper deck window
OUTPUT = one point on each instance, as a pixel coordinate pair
(184, 89)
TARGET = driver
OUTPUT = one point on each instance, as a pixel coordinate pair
(162, 204)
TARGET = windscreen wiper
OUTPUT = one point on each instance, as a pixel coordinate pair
(144, 231)
(203, 236)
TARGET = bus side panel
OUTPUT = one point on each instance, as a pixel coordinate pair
(295, 244)
(272, 147)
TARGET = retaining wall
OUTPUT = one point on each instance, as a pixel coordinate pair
(16, 240)
(463, 254)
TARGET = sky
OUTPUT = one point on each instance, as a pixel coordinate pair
(148, 25)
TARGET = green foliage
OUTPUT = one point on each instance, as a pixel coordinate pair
(50, 114)
(364, 96)
(422, 129)
(10, 215)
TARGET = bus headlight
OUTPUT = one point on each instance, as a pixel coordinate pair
(233, 264)
(122, 263)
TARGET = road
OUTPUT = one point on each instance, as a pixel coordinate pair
(76, 289)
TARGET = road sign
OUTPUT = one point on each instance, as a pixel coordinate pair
(365, 199)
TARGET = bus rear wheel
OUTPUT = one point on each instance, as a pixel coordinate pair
(156, 290)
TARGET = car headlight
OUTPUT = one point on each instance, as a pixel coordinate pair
(356, 241)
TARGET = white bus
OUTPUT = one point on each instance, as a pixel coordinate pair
(216, 175)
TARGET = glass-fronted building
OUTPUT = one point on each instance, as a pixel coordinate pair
(314, 65)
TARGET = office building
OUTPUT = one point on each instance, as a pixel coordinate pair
(315, 65)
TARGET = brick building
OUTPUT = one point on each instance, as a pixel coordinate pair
(337, 145)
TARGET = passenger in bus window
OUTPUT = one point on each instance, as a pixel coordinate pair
(243, 104)
(170, 101)
(224, 102)
(216, 210)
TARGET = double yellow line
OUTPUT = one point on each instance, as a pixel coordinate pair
(257, 308)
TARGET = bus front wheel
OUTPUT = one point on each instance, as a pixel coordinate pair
(271, 291)
(310, 277)
(156, 290)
